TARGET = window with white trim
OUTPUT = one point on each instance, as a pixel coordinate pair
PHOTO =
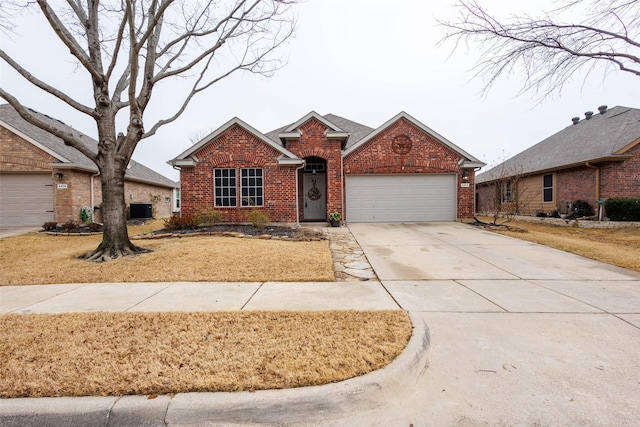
(251, 187)
(225, 187)
(547, 188)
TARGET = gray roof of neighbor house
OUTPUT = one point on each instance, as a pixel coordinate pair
(69, 157)
(604, 137)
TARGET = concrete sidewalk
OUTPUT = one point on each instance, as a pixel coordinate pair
(506, 332)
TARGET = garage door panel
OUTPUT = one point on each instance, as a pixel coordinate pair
(25, 200)
(393, 198)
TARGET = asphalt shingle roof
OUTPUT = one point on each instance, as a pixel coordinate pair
(356, 131)
(69, 155)
(604, 135)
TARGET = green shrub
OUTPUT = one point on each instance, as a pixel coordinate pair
(580, 209)
(258, 218)
(207, 217)
(622, 209)
(178, 222)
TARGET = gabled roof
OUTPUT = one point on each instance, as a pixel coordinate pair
(312, 115)
(604, 137)
(186, 158)
(468, 160)
(68, 157)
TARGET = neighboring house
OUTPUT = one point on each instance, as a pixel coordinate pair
(592, 160)
(401, 171)
(42, 179)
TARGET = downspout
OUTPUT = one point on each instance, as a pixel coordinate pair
(597, 168)
(342, 205)
(297, 194)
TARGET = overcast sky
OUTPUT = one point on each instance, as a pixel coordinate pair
(365, 60)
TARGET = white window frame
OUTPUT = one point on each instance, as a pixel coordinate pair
(219, 187)
(247, 186)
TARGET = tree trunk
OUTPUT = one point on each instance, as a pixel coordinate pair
(115, 237)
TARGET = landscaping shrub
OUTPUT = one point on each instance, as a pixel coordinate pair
(177, 222)
(50, 226)
(541, 214)
(258, 218)
(622, 209)
(580, 209)
(207, 217)
(69, 226)
(94, 227)
(555, 214)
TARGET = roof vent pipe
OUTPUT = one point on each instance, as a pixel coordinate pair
(602, 109)
(575, 120)
(588, 115)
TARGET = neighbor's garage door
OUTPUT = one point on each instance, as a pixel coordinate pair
(25, 200)
(394, 198)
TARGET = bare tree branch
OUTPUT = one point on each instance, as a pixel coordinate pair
(45, 87)
(547, 50)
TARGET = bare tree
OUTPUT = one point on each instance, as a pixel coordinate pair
(505, 192)
(550, 50)
(130, 48)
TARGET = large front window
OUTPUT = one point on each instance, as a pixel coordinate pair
(251, 187)
(225, 187)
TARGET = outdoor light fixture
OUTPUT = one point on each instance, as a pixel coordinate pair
(58, 176)
(465, 175)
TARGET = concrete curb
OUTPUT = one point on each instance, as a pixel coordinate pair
(282, 407)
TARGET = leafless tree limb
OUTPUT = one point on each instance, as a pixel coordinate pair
(143, 44)
(547, 50)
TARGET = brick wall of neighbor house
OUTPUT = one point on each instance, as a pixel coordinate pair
(313, 143)
(159, 197)
(237, 149)
(622, 179)
(18, 155)
(575, 184)
(425, 156)
(69, 201)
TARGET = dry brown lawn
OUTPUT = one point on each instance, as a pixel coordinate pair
(616, 246)
(38, 258)
(101, 354)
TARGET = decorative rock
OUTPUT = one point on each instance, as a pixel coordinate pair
(358, 265)
(365, 274)
(265, 237)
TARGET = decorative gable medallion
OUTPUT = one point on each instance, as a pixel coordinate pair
(401, 144)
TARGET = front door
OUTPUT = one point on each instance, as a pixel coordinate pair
(315, 198)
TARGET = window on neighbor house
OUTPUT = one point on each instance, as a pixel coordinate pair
(225, 187)
(251, 187)
(507, 192)
(547, 188)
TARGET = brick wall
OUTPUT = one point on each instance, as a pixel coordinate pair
(313, 143)
(75, 192)
(426, 155)
(237, 149)
(18, 155)
(621, 179)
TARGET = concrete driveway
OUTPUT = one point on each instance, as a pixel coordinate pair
(520, 334)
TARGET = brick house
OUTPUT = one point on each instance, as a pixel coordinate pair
(400, 171)
(593, 159)
(42, 179)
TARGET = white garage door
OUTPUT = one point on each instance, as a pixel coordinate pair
(25, 200)
(395, 198)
